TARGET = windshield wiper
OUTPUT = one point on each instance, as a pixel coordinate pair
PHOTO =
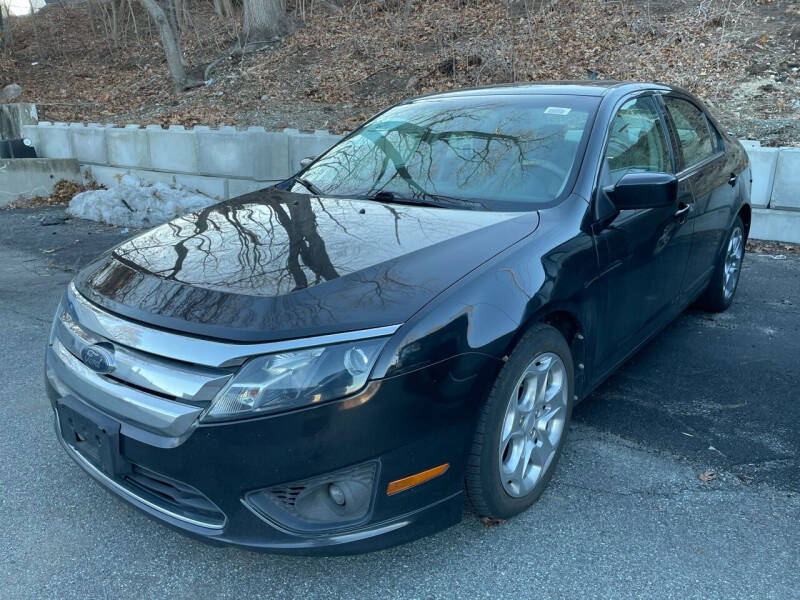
(394, 198)
(308, 185)
(454, 201)
(427, 199)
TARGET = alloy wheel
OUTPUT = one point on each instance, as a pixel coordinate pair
(733, 262)
(533, 424)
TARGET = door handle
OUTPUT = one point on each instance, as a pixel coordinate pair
(683, 210)
(732, 180)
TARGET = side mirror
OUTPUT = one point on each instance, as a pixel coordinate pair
(304, 162)
(643, 190)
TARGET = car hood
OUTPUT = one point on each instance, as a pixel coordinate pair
(275, 265)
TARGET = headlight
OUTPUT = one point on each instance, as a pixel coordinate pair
(278, 382)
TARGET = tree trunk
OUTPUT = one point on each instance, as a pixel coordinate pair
(263, 20)
(172, 48)
(5, 43)
(172, 19)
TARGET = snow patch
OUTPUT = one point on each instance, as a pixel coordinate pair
(137, 203)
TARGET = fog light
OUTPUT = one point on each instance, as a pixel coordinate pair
(329, 502)
(336, 494)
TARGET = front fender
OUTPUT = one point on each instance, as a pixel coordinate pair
(480, 317)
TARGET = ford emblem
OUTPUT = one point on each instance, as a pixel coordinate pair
(98, 358)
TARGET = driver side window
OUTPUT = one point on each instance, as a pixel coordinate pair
(636, 142)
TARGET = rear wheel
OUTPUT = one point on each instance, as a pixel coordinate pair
(725, 279)
(522, 426)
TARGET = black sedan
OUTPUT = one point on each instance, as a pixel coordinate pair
(335, 364)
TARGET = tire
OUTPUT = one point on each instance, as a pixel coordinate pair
(721, 289)
(492, 491)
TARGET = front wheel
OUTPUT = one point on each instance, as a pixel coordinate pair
(725, 279)
(522, 426)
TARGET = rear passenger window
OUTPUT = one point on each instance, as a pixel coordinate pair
(693, 133)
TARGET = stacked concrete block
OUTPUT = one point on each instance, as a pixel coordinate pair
(222, 152)
(172, 149)
(762, 162)
(269, 154)
(786, 189)
(88, 143)
(52, 141)
(127, 147)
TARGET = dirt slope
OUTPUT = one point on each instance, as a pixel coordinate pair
(741, 55)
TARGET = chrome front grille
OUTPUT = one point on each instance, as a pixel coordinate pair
(162, 376)
(147, 390)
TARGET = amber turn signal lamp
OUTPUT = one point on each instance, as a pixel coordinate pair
(405, 483)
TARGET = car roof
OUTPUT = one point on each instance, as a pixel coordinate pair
(589, 87)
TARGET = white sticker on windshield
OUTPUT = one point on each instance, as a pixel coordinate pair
(557, 110)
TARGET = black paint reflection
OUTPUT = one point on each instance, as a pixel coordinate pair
(274, 261)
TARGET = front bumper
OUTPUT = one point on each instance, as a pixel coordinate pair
(407, 424)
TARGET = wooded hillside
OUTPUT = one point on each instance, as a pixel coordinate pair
(331, 63)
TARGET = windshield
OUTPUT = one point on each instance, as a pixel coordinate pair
(491, 152)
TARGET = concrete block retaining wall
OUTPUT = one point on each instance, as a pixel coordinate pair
(227, 162)
(223, 163)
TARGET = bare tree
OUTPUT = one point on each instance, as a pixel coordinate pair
(263, 20)
(172, 48)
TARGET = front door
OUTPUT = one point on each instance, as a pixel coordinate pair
(643, 253)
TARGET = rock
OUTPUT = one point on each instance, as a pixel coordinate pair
(56, 219)
(10, 92)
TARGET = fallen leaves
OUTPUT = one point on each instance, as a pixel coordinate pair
(707, 476)
(767, 247)
(490, 522)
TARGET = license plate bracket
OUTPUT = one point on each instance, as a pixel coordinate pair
(92, 434)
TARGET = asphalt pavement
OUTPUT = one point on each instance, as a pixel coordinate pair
(625, 516)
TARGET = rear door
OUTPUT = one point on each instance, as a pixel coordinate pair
(703, 165)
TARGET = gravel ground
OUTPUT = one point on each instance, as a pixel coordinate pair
(625, 515)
